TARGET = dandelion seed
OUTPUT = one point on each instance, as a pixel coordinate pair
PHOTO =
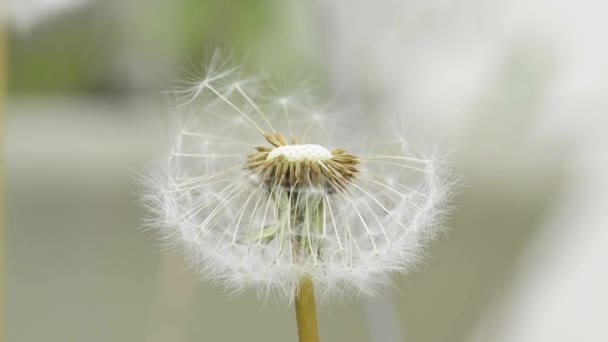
(256, 192)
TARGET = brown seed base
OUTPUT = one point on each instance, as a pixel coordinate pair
(329, 175)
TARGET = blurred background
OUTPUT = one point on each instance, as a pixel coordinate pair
(518, 88)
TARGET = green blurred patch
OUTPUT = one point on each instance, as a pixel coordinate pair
(96, 49)
(69, 54)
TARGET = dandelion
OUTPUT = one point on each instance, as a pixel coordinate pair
(258, 194)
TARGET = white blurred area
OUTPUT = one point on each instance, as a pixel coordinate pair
(25, 15)
(519, 89)
(445, 63)
(560, 291)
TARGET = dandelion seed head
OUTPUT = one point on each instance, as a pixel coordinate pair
(258, 195)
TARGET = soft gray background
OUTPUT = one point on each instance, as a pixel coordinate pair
(517, 89)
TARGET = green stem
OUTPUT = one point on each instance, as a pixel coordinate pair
(306, 314)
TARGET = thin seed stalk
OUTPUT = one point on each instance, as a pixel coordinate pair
(306, 314)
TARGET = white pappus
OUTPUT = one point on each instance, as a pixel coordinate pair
(258, 195)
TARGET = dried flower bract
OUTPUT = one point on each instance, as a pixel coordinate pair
(298, 166)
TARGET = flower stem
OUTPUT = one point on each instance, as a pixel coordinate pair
(306, 314)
